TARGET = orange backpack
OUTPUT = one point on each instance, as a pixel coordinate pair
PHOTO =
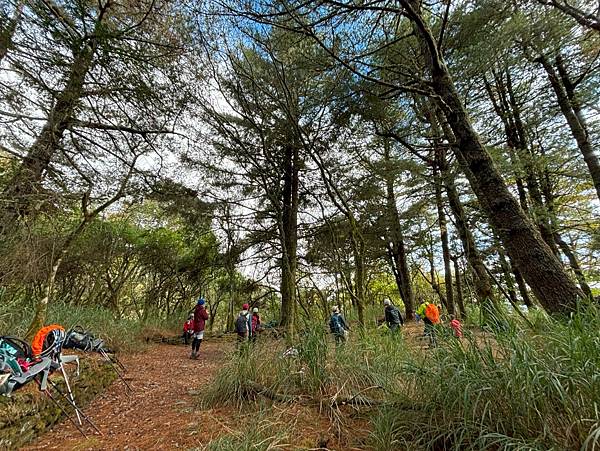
(37, 345)
(432, 313)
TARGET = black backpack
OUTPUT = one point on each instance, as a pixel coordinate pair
(79, 338)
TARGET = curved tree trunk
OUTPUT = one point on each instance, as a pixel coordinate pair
(571, 110)
(7, 30)
(26, 184)
(541, 269)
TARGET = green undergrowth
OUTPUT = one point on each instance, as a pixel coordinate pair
(122, 334)
(511, 388)
(264, 433)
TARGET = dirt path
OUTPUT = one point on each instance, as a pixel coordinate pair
(159, 414)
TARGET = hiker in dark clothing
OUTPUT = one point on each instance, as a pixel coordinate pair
(241, 325)
(200, 317)
(338, 325)
(393, 318)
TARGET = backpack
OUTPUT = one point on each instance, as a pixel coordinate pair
(432, 313)
(335, 324)
(48, 341)
(13, 353)
(395, 314)
(78, 338)
(241, 324)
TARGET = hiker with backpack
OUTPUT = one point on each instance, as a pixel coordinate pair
(431, 316)
(188, 328)
(200, 317)
(254, 324)
(241, 325)
(337, 325)
(393, 317)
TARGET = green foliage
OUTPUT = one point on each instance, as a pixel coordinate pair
(263, 435)
(122, 334)
(511, 388)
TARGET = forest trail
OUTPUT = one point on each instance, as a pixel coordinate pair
(159, 414)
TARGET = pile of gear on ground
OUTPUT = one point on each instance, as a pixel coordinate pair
(22, 364)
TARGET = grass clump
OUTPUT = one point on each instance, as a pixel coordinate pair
(511, 387)
(515, 390)
(264, 435)
(122, 334)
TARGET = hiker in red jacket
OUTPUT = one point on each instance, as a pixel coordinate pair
(200, 317)
(188, 328)
(255, 323)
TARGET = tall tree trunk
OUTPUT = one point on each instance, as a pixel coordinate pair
(512, 294)
(26, 183)
(508, 109)
(459, 290)
(7, 30)
(562, 244)
(358, 251)
(289, 238)
(397, 249)
(541, 269)
(569, 106)
(437, 180)
(482, 282)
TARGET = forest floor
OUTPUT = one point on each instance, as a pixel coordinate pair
(163, 411)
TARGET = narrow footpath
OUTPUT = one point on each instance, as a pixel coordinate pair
(161, 413)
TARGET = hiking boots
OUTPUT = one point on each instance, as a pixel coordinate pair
(194, 355)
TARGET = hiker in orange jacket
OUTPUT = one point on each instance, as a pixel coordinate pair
(431, 316)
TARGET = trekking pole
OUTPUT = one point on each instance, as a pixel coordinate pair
(69, 391)
(77, 409)
(115, 359)
(110, 362)
(61, 408)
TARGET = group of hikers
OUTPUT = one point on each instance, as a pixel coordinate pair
(427, 311)
(248, 323)
(247, 326)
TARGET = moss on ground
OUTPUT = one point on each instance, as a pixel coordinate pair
(28, 412)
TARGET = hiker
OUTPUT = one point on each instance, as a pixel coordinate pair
(456, 327)
(393, 318)
(188, 328)
(338, 325)
(254, 324)
(431, 315)
(200, 317)
(241, 324)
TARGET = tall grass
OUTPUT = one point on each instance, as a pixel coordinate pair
(511, 388)
(124, 334)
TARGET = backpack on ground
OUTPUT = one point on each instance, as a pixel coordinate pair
(48, 342)
(432, 313)
(79, 338)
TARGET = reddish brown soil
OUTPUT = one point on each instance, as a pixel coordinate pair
(161, 412)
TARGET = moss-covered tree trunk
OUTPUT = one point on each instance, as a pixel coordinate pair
(539, 266)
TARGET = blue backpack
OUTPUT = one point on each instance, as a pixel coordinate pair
(335, 324)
